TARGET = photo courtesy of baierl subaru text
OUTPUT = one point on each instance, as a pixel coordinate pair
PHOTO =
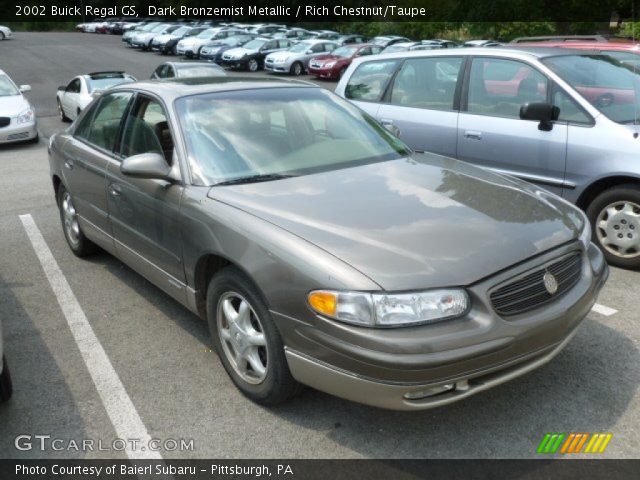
(305, 239)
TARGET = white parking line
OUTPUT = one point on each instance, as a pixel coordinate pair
(604, 310)
(121, 410)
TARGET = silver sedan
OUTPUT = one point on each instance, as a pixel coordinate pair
(295, 60)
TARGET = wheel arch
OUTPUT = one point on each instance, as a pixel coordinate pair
(206, 267)
(57, 181)
(602, 184)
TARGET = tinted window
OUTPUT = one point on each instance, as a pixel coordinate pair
(369, 80)
(147, 130)
(500, 87)
(427, 83)
(103, 129)
(74, 86)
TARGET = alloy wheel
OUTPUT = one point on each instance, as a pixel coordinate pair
(618, 229)
(242, 337)
(70, 218)
(253, 65)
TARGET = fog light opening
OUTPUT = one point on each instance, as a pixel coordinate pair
(420, 394)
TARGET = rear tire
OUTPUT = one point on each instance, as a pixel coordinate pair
(1, 36)
(615, 219)
(61, 113)
(80, 245)
(6, 387)
(243, 341)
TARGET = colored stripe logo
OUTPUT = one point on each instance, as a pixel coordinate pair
(574, 443)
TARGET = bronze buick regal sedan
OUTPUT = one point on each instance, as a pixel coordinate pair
(320, 249)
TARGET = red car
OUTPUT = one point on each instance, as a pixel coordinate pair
(334, 64)
(626, 52)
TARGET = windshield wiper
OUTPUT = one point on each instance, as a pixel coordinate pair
(267, 177)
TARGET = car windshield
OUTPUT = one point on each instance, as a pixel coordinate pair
(106, 82)
(278, 132)
(7, 88)
(181, 30)
(206, 34)
(344, 52)
(611, 86)
(300, 47)
(201, 71)
(159, 28)
(380, 41)
(395, 48)
(232, 41)
(254, 44)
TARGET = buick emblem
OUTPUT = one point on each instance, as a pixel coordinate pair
(550, 283)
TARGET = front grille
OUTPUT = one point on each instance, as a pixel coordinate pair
(528, 291)
(4, 121)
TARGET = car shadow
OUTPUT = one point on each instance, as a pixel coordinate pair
(42, 403)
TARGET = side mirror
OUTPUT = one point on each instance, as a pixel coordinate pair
(146, 165)
(24, 88)
(544, 113)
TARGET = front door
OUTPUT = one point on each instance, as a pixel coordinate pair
(144, 213)
(491, 133)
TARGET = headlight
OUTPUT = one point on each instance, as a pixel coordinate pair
(26, 116)
(330, 64)
(585, 235)
(389, 309)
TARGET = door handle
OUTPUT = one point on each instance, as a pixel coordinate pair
(115, 190)
(68, 163)
(473, 134)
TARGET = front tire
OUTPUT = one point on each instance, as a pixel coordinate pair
(80, 245)
(253, 65)
(6, 387)
(615, 218)
(246, 339)
(297, 69)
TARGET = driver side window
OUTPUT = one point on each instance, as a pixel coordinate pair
(147, 131)
(74, 86)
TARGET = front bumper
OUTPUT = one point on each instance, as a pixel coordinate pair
(416, 368)
(239, 64)
(323, 72)
(277, 67)
(18, 133)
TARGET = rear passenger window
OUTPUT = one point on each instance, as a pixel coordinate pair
(369, 80)
(103, 131)
(500, 87)
(427, 83)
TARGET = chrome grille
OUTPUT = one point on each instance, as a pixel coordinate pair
(528, 292)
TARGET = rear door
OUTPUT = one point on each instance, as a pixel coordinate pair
(491, 133)
(86, 158)
(422, 105)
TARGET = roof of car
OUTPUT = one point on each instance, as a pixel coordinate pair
(618, 46)
(173, 88)
(515, 52)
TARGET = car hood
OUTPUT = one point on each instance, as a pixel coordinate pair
(13, 105)
(326, 58)
(239, 52)
(283, 55)
(421, 222)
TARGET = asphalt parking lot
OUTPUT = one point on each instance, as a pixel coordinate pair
(162, 354)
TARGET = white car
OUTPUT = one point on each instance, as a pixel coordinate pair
(5, 33)
(81, 90)
(191, 46)
(17, 116)
(6, 388)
